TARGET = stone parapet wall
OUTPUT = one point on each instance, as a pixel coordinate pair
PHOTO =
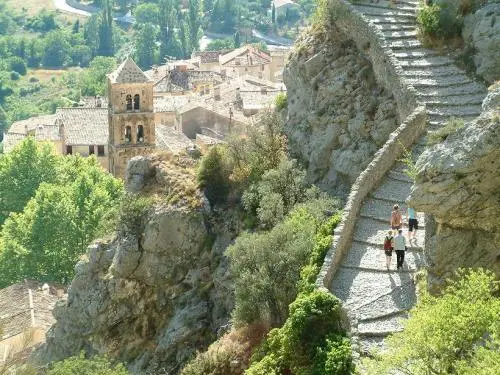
(371, 41)
(405, 135)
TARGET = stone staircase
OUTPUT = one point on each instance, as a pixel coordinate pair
(377, 299)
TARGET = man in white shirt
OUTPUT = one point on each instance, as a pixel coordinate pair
(400, 247)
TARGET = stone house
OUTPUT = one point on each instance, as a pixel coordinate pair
(247, 60)
(25, 316)
(282, 6)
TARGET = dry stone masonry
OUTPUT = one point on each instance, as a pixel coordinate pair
(354, 270)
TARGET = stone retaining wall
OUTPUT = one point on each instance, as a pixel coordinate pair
(412, 114)
(406, 134)
(371, 41)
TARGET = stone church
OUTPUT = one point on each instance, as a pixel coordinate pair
(139, 117)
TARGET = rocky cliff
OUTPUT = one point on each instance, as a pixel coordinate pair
(159, 290)
(338, 116)
(459, 186)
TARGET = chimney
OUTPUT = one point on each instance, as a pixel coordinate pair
(263, 90)
(217, 93)
(238, 94)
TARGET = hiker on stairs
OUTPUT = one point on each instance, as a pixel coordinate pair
(396, 218)
(400, 247)
(388, 247)
(412, 225)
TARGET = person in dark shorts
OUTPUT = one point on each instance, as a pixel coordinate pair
(388, 247)
(412, 224)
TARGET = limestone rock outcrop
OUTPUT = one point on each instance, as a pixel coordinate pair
(458, 186)
(338, 116)
(157, 292)
(481, 33)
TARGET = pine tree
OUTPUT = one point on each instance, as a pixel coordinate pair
(76, 27)
(237, 42)
(167, 28)
(194, 21)
(106, 45)
(145, 45)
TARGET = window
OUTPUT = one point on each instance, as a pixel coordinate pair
(137, 101)
(129, 102)
(91, 150)
(69, 150)
(128, 134)
(140, 133)
(100, 150)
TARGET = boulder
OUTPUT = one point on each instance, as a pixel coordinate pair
(481, 33)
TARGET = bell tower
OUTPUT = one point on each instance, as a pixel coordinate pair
(130, 116)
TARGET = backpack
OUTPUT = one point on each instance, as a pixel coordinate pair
(388, 243)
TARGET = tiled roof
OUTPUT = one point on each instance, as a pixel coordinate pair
(24, 126)
(207, 57)
(84, 126)
(170, 139)
(252, 54)
(15, 311)
(172, 103)
(128, 72)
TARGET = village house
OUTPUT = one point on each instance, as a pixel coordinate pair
(26, 316)
(141, 114)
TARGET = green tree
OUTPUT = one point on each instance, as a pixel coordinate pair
(195, 9)
(48, 237)
(455, 333)
(262, 263)
(21, 173)
(147, 13)
(5, 87)
(93, 80)
(145, 45)
(237, 42)
(273, 14)
(213, 176)
(79, 365)
(91, 34)
(106, 43)
(167, 18)
(56, 49)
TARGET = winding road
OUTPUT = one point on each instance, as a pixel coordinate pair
(63, 6)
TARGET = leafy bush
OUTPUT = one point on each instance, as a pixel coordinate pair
(79, 365)
(18, 65)
(312, 340)
(276, 193)
(281, 101)
(14, 76)
(455, 333)
(439, 136)
(428, 19)
(134, 210)
(263, 262)
(213, 176)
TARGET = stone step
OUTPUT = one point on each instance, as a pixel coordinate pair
(403, 35)
(355, 288)
(464, 89)
(373, 232)
(443, 118)
(397, 300)
(381, 210)
(399, 176)
(405, 45)
(455, 111)
(368, 11)
(439, 81)
(406, 6)
(424, 62)
(417, 54)
(392, 20)
(382, 326)
(393, 189)
(368, 257)
(440, 71)
(453, 100)
(390, 27)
